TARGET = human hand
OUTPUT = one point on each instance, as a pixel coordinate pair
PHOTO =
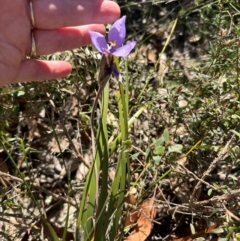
(59, 25)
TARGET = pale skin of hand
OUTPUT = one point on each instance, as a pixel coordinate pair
(59, 25)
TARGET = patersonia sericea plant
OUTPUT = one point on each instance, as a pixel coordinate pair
(113, 45)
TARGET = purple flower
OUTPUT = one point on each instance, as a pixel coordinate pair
(116, 37)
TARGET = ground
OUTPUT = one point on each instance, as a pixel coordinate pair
(184, 154)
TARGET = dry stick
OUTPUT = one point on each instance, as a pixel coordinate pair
(66, 132)
(210, 168)
(230, 194)
(186, 207)
(59, 197)
(230, 214)
(3, 174)
(7, 175)
(103, 78)
(71, 142)
(195, 176)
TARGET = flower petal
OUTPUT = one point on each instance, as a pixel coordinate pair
(99, 41)
(115, 72)
(117, 32)
(124, 50)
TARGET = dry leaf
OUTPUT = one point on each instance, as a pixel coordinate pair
(133, 213)
(132, 217)
(58, 146)
(75, 106)
(130, 198)
(146, 214)
(196, 235)
(163, 68)
(4, 169)
(3, 166)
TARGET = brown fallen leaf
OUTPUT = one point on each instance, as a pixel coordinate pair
(133, 213)
(3, 165)
(130, 199)
(196, 235)
(146, 213)
(132, 217)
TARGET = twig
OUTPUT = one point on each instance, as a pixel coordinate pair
(196, 177)
(230, 214)
(4, 174)
(188, 207)
(210, 168)
(67, 134)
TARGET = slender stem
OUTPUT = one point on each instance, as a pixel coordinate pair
(125, 133)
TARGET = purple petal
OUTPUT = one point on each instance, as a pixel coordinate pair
(124, 50)
(115, 72)
(117, 32)
(99, 41)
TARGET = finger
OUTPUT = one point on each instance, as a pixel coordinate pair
(38, 70)
(56, 13)
(63, 39)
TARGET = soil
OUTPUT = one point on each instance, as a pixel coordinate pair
(55, 169)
